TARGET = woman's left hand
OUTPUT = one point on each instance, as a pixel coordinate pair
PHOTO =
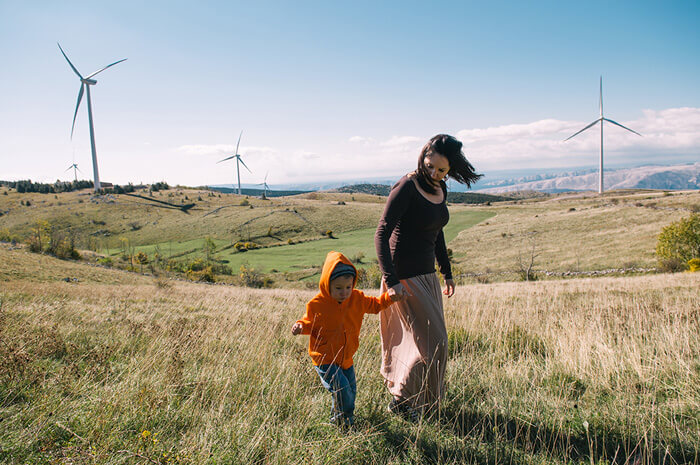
(449, 288)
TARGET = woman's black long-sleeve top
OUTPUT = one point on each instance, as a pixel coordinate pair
(409, 236)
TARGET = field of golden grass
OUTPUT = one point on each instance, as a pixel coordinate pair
(581, 232)
(563, 233)
(118, 368)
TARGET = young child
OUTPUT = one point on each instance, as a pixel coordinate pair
(333, 319)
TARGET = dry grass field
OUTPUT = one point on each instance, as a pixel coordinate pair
(581, 232)
(562, 233)
(119, 368)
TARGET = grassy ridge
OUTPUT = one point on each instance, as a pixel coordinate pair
(572, 232)
(577, 371)
(580, 232)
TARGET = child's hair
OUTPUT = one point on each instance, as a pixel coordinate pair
(341, 269)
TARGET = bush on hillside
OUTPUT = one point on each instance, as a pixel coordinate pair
(694, 264)
(678, 243)
(46, 239)
(369, 277)
(205, 275)
(252, 278)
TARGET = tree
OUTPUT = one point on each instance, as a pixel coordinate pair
(526, 260)
(141, 259)
(679, 242)
(209, 248)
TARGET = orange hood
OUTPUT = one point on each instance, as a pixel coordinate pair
(332, 260)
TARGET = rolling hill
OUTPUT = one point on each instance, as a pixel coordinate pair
(678, 177)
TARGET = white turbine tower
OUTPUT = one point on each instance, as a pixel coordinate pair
(600, 120)
(238, 160)
(74, 166)
(265, 186)
(85, 83)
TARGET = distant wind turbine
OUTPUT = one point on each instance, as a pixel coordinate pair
(75, 170)
(600, 120)
(238, 158)
(265, 186)
(85, 83)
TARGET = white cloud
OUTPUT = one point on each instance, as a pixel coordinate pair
(674, 131)
(401, 141)
(218, 149)
(361, 140)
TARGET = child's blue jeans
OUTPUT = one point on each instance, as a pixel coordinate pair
(343, 388)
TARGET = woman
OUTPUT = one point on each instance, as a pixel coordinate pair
(408, 240)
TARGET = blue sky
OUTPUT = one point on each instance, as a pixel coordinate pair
(327, 90)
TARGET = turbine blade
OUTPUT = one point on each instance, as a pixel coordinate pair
(570, 137)
(70, 167)
(623, 127)
(80, 97)
(99, 71)
(76, 167)
(239, 141)
(601, 96)
(71, 64)
(227, 158)
(246, 167)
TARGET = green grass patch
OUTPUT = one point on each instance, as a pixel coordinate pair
(307, 254)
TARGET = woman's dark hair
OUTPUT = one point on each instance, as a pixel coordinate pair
(460, 169)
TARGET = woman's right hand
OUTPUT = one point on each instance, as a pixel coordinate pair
(398, 292)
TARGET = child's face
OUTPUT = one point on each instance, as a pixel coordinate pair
(341, 288)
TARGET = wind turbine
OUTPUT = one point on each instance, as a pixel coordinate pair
(85, 83)
(75, 170)
(600, 120)
(238, 160)
(265, 186)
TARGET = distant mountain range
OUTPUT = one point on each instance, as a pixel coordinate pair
(676, 177)
(673, 177)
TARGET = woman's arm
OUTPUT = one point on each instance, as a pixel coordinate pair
(396, 206)
(444, 264)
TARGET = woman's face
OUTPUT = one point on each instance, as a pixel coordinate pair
(437, 166)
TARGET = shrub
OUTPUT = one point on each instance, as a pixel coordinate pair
(205, 275)
(142, 259)
(6, 236)
(694, 264)
(219, 268)
(244, 203)
(369, 277)
(105, 261)
(252, 278)
(679, 242)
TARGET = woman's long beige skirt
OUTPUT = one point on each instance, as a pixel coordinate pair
(414, 343)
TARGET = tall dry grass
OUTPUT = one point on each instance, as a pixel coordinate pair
(578, 371)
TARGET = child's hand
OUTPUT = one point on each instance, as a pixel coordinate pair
(296, 329)
(398, 293)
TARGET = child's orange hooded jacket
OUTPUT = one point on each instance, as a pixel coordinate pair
(334, 328)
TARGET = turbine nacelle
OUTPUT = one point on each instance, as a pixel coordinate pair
(86, 82)
(600, 120)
